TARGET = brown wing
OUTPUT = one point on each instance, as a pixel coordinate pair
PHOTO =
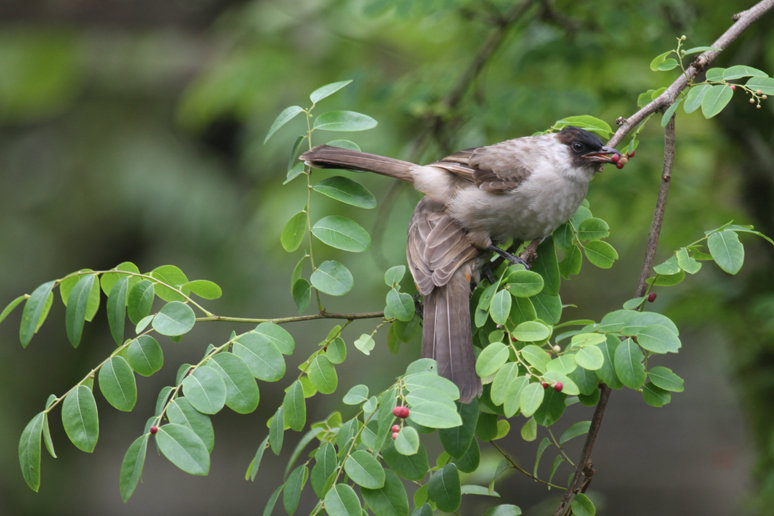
(496, 168)
(437, 246)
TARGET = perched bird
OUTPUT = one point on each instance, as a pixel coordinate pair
(520, 189)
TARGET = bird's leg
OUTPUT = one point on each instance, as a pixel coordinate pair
(529, 255)
(508, 256)
(419, 307)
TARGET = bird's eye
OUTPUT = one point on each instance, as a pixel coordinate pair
(577, 146)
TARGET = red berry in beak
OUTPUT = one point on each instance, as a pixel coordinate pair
(619, 165)
(615, 158)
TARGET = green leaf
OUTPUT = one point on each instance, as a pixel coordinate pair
(342, 500)
(346, 190)
(327, 90)
(726, 250)
(302, 294)
(564, 364)
(444, 488)
(294, 407)
(145, 356)
(323, 375)
(513, 390)
(427, 409)
(181, 412)
(657, 338)
(505, 375)
(272, 501)
(694, 97)
(174, 319)
(183, 448)
(587, 122)
(456, 440)
(285, 116)
(394, 275)
(739, 71)
(116, 308)
(205, 289)
(696, 50)
(687, 262)
(715, 99)
(332, 278)
(324, 468)
(536, 356)
(255, 464)
(117, 384)
(10, 306)
(628, 364)
(140, 300)
(80, 419)
(492, 358)
(400, 304)
(293, 232)
(35, 311)
(47, 431)
(582, 506)
(365, 343)
(407, 442)
(590, 358)
(356, 395)
(547, 267)
(343, 121)
(109, 279)
(576, 430)
(205, 389)
(291, 495)
(606, 373)
(241, 390)
(390, 500)
(131, 466)
(531, 331)
(524, 284)
(277, 431)
(593, 229)
(765, 84)
(342, 233)
(572, 262)
(669, 113)
(29, 451)
(277, 335)
(500, 307)
(505, 509)
(600, 254)
(663, 62)
(655, 396)
(262, 357)
(169, 279)
(530, 398)
(75, 316)
(364, 470)
(529, 430)
(664, 378)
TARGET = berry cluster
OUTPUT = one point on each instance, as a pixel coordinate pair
(622, 159)
(401, 412)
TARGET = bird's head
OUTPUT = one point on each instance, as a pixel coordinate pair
(586, 149)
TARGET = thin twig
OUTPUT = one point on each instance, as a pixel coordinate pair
(518, 468)
(297, 318)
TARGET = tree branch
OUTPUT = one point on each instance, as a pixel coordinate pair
(297, 318)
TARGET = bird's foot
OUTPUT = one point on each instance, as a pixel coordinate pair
(508, 256)
(418, 306)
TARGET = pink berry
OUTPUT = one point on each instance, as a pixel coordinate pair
(652, 297)
(394, 435)
(401, 412)
(404, 413)
(544, 384)
(619, 165)
(154, 429)
(558, 386)
(732, 86)
(615, 158)
(396, 411)
(395, 428)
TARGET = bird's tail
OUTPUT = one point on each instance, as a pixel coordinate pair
(446, 335)
(326, 156)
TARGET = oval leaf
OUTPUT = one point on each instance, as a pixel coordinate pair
(117, 383)
(145, 355)
(241, 390)
(35, 310)
(294, 407)
(726, 250)
(332, 278)
(628, 364)
(293, 232)
(80, 419)
(342, 233)
(600, 254)
(174, 319)
(181, 412)
(323, 375)
(29, 451)
(715, 99)
(364, 470)
(285, 116)
(344, 121)
(131, 466)
(444, 488)
(261, 356)
(347, 191)
(116, 308)
(183, 448)
(341, 500)
(205, 390)
(500, 307)
(327, 90)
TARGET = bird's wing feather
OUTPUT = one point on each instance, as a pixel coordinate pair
(496, 168)
(437, 246)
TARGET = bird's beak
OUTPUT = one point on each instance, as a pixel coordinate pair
(604, 155)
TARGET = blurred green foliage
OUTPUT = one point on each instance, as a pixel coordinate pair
(142, 140)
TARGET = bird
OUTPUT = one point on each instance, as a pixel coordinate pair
(520, 189)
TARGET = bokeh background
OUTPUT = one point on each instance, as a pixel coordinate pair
(134, 130)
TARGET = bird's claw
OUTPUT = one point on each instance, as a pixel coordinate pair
(508, 256)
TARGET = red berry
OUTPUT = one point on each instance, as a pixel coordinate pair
(619, 165)
(396, 411)
(401, 412)
(615, 158)
(732, 86)
(652, 297)
(630, 154)
(395, 428)
(154, 429)
(394, 435)
(404, 413)
(558, 386)
(544, 384)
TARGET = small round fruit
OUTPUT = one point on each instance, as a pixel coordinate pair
(558, 386)
(396, 411)
(401, 412)
(544, 384)
(394, 435)
(154, 429)
(630, 154)
(395, 428)
(615, 158)
(652, 297)
(732, 86)
(752, 100)
(619, 165)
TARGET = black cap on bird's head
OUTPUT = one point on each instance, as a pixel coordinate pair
(586, 148)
